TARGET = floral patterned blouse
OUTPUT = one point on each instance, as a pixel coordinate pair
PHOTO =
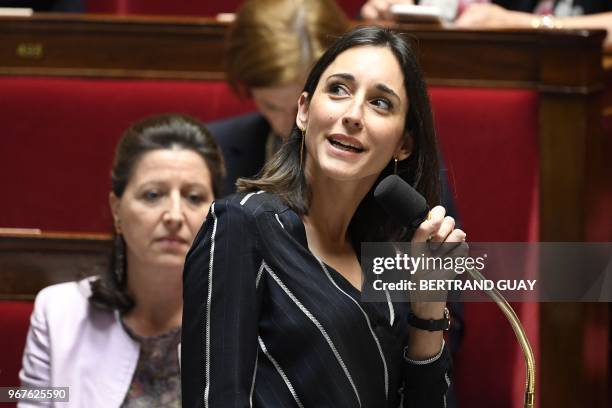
(156, 381)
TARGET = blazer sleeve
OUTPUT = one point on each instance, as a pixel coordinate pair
(36, 362)
(426, 383)
(221, 310)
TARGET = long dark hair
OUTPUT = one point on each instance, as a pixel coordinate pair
(169, 131)
(284, 175)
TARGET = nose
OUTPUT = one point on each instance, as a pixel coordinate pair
(173, 217)
(353, 118)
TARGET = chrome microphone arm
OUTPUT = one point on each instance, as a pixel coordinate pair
(519, 331)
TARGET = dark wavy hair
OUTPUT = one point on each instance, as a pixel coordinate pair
(284, 175)
(169, 131)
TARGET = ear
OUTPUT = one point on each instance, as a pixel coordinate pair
(404, 150)
(113, 202)
(301, 119)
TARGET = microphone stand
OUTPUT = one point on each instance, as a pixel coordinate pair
(519, 331)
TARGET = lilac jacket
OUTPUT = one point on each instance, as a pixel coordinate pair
(70, 344)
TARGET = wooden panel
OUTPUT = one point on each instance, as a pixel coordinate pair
(574, 368)
(192, 48)
(111, 47)
(29, 262)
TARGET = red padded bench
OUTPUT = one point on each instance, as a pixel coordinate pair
(59, 137)
(15, 320)
(490, 146)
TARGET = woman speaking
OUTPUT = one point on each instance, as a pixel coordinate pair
(272, 310)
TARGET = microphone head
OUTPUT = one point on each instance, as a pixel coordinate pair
(401, 201)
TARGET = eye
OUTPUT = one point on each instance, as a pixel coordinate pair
(382, 103)
(151, 195)
(195, 197)
(337, 89)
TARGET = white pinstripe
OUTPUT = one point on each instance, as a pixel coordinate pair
(391, 309)
(208, 303)
(280, 372)
(253, 381)
(246, 197)
(259, 273)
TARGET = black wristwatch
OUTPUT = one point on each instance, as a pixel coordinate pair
(430, 325)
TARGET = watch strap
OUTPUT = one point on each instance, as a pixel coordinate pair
(430, 324)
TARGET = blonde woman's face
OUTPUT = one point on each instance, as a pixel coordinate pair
(278, 105)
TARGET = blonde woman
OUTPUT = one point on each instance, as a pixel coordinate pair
(271, 46)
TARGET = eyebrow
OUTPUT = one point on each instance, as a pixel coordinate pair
(381, 87)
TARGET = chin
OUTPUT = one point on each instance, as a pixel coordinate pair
(341, 175)
(171, 261)
(342, 171)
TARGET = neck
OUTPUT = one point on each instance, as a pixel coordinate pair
(332, 206)
(158, 298)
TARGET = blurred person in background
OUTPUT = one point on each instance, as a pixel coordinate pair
(482, 14)
(270, 48)
(113, 339)
(63, 6)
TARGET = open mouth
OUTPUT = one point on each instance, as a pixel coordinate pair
(345, 146)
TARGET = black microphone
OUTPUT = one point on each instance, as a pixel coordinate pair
(401, 201)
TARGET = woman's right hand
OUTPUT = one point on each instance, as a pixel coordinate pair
(437, 237)
(438, 228)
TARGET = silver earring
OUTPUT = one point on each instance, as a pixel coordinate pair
(395, 165)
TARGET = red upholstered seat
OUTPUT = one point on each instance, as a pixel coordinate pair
(59, 137)
(489, 138)
(14, 321)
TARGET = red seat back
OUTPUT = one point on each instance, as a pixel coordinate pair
(59, 137)
(14, 320)
(489, 139)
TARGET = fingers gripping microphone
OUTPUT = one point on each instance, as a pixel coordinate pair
(407, 206)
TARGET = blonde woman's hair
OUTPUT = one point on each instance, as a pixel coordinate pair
(275, 42)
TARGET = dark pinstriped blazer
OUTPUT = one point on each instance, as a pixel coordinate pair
(267, 324)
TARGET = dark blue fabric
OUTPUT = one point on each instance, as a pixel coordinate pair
(310, 322)
(243, 143)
